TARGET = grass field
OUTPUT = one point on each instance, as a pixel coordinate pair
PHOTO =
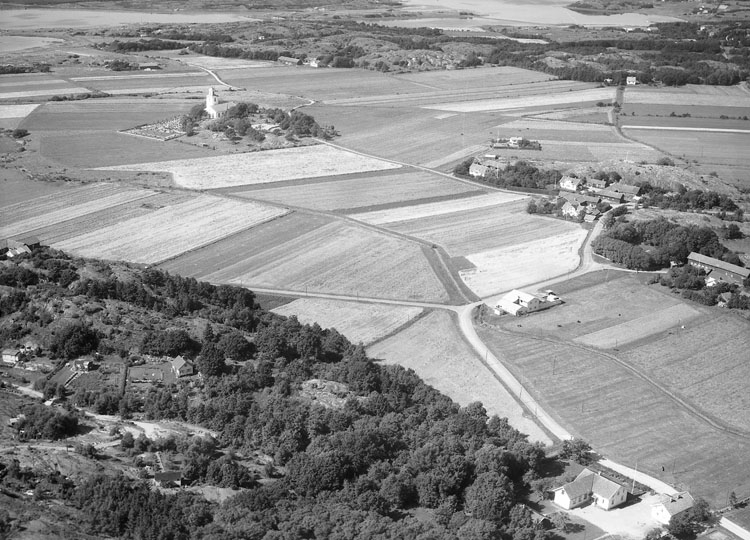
(47, 210)
(696, 95)
(557, 130)
(100, 114)
(434, 349)
(262, 167)
(106, 148)
(360, 323)
(362, 192)
(480, 229)
(111, 83)
(475, 78)
(16, 188)
(170, 231)
(624, 417)
(420, 211)
(576, 94)
(704, 147)
(523, 263)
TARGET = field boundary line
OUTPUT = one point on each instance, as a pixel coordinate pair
(694, 410)
(699, 129)
(401, 328)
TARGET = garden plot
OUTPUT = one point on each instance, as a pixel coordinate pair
(434, 348)
(27, 216)
(262, 167)
(562, 98)
(647, 325)
(170, 231)
(360, 323)
(420, 211)
(361, 192)
(524, 263)
(477, 230)
(343, 259)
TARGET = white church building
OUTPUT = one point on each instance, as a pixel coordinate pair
(214, 108)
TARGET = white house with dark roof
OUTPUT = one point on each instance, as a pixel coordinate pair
(182, 367)
(670, 506)
(590, 486)
(477, 170)
(571, 184)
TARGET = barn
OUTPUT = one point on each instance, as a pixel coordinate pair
(718, 269)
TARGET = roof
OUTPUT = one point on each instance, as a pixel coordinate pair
(625, 188)
(717, 263)
(168, 476)
(179, 362)
(14, 352)
(571, 180)
(587, 482)
(611, 194)
(577, 198)
(478, 169)
(517, 296)
(289, 59)
(674, 504)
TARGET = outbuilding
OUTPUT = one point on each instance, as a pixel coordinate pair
(670, 506)
(717, 269)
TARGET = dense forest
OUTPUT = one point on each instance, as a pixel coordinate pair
(365, 468)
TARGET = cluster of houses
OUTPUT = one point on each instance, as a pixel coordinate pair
(13, 248)
(519, 303)
(583, 196)
(591, 487)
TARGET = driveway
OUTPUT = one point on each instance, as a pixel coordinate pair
(632, 521)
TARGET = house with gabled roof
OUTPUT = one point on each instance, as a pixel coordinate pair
(670, 506)
(570, 183)
(590, 487)
(477, 170)
(182, 367)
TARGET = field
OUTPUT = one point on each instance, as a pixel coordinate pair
(30, 85)
(27, 216)
(262, 167)
(692, 95)
(480, 229)
(434, 349)
(101, 114)
(342, 259)
(308, 253)
(523, 263)
(16, 111)
(215, 62)
(556, 130)
(624, 417)
(16, 188)
(708, 148)
(360, 323)
(170, 231)
(421, 211)
(362, 191)
(541, 100)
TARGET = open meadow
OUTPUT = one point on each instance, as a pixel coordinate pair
(433, 347)
(360, 323)
(624, 417)
(690, 95)
(36, 85)
(261, 167)
(386, 188)
(171, 230)
(523, 263)
(704, 147)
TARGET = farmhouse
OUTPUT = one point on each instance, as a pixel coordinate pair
(11, 357)
(626, 189)
(611, 196)
(570, 183)
(572, 209)
(289, 61)
(182, 367)
(590, 486)
(670, 506)
(13, 248)
(631, 81)
(81, 364)
(214, 109)
(520, 303)
(576, 198)
(477, 170)
(718, 270)
(596, 183)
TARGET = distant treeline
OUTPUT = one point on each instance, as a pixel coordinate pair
(10, 69)
(142, 45)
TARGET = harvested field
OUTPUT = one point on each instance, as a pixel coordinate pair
(360, 323)
(363, 192)
(90, 223)
(214, 62)
(647, 325)
(230, 251)
(434, 348)
(719, 387)
(556, 130)
(521, 264)
(170, 231)
(476, 230)
(27, 216)
(17, 188)
(421, 211)
(694, 95)
(704, 147)
(16, 111)
(104, 148)
(139, 81)
(677, 122)
(474, 78)
(339, 258)
(42, 92)
(594, 115)
(624, 417)
(544, 99)
(100, 115)
(262, 167)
